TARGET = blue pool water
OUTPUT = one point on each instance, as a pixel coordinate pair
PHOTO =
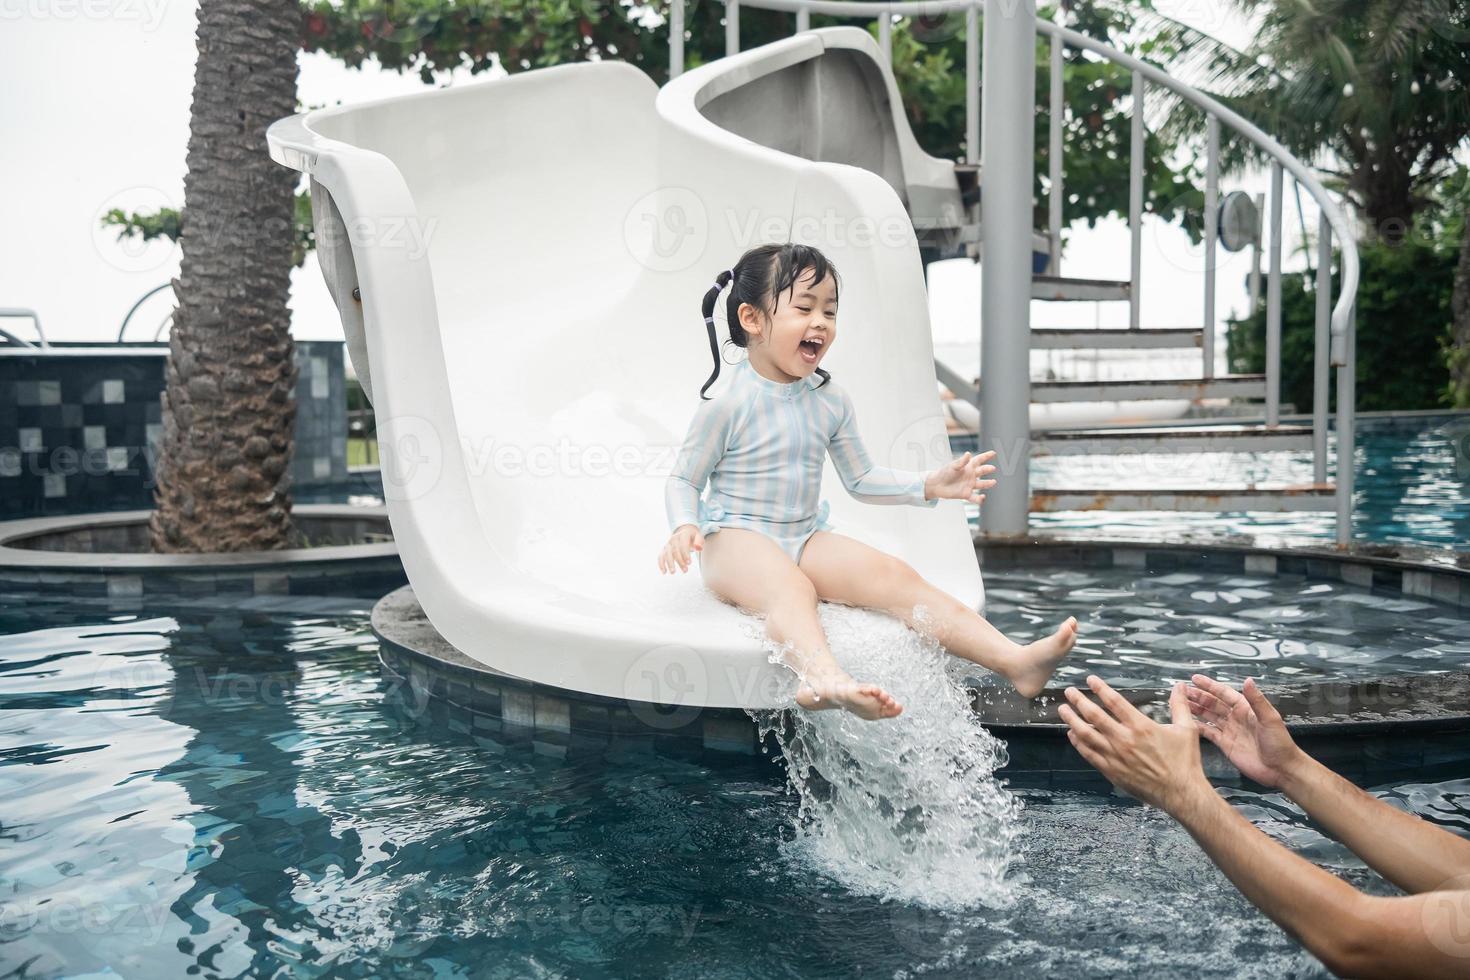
(217, 792)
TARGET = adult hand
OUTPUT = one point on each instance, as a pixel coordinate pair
(686, 538)
(961, 478)
(1158, 764)
(1247, 728)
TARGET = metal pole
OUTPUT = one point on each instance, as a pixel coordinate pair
(1054, 160)
(732, 30)
(1255, 273)
(1009, 91)
(1273, 304)
(803, 20)
(1321, 357)
(1135, 202)
(1347, 384)
(1212, 239)
(972, 84)
(676, 39)
(885, 35)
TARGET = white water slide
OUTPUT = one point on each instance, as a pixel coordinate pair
(520, 279)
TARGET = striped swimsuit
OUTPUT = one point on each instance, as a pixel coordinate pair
(760, 444)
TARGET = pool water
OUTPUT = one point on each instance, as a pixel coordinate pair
(1142, 629)
(214, 791)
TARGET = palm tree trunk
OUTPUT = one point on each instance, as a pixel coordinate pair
(1459, 359)
(223, 472)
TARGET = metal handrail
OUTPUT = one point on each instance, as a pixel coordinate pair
(134, 309)
(35, 318)
(1338, 339)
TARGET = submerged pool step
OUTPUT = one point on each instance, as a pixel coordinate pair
(1170, 439)
(1191, 389)
(1062, 288)
(1318, 496)
(1084, 338)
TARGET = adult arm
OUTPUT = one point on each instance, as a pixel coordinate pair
(1412, 853)
(1354, 934)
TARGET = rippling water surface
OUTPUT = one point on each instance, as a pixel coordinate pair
(223, 793)
(1143, 629)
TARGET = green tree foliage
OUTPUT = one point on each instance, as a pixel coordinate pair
(1403, 322)
(429, 36)
(1378, 90)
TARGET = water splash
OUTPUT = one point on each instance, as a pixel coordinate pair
(904, 808)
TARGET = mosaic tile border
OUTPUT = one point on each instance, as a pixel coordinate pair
(80, 424)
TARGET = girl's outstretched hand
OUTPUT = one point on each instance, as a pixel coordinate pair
(686, 538)
(962, 478)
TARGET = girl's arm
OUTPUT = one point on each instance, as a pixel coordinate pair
(865, 481)
(704, 446)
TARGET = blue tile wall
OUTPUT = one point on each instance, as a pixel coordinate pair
(79, 432)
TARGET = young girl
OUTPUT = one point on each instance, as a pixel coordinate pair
(761, 444)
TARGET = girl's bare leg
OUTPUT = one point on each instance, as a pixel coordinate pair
(846, 570)
(750, 571)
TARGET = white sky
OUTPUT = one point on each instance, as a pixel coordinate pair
(114, 135)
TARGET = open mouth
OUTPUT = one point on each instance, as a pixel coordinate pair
(810, 350)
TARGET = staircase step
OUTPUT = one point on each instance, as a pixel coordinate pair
(1192, 389)
(1063, 288)
(1054, 338)
(1167, 439)
(1226, 499)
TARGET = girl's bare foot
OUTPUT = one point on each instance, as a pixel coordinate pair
(1035, 662)
(868, 701)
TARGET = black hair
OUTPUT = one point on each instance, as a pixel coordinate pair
(760, 276)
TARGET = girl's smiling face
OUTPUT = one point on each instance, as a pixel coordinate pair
(793, 342)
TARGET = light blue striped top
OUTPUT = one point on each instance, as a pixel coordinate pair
(761, 443)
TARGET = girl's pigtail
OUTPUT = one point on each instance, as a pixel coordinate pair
(709, 323)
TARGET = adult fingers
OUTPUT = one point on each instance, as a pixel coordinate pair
(1264, 709)
(1089, 755)
(1179, 712)
(1205, 706)
(1080, 728)
(1228, 695)
(1091, 713)
(1115, 702)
